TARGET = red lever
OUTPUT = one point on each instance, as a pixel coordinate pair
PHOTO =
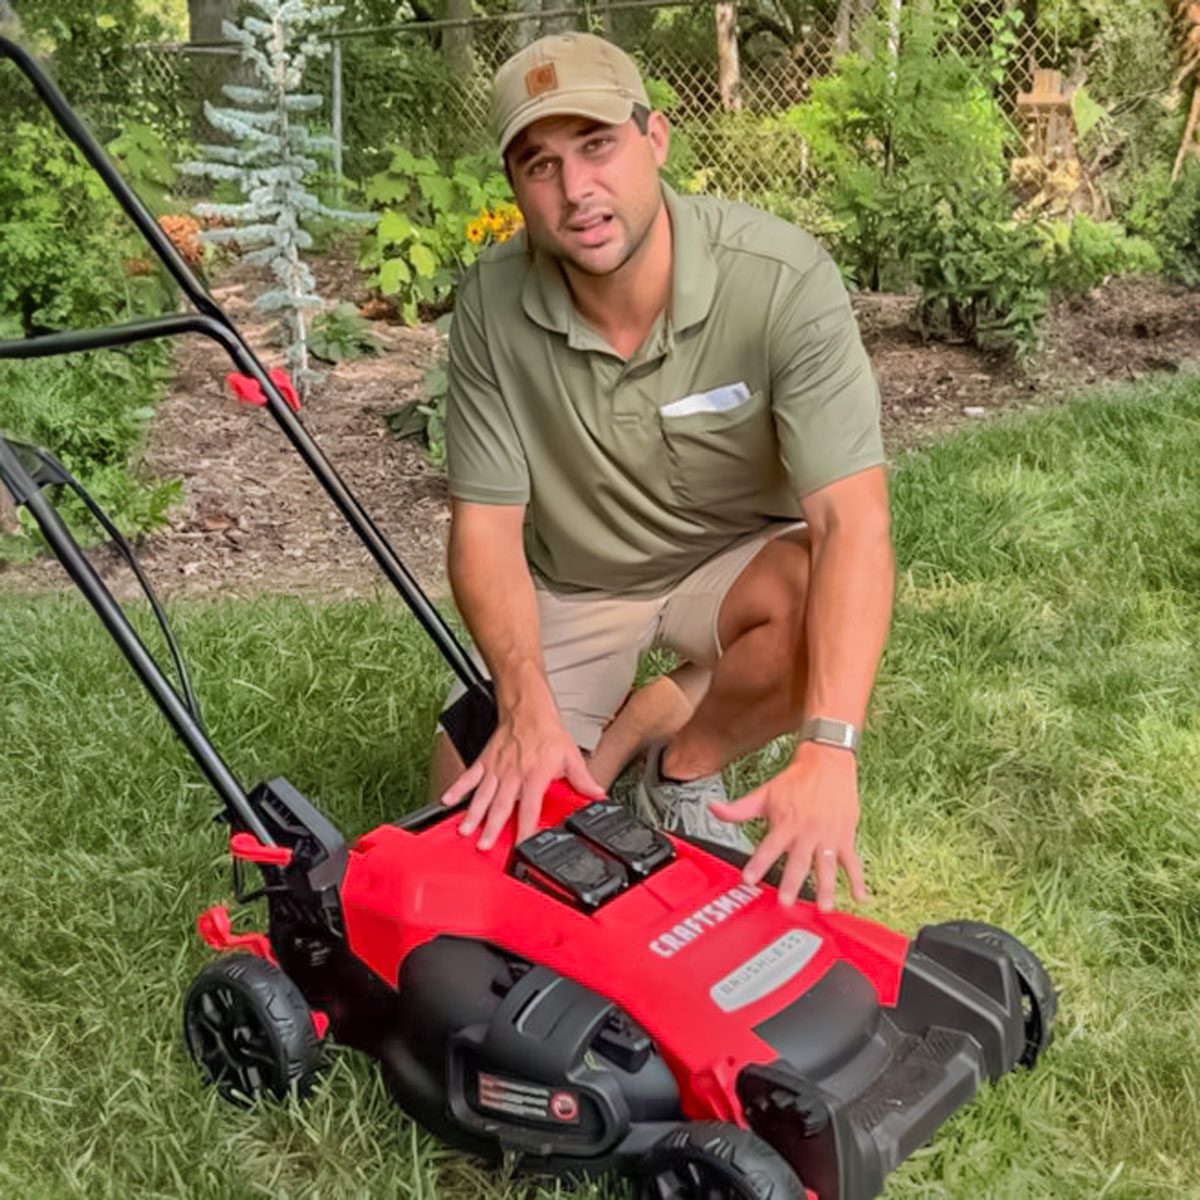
(246, 388)
(214, 928)
(247, 846)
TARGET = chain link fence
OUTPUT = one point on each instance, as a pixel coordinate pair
(425, 85)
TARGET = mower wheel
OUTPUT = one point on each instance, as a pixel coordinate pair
(250, 1030)
(710, 1160)
(1039, 1001)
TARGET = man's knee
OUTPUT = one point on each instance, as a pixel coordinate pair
(773, 592)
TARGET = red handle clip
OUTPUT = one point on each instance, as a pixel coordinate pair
(247, 846)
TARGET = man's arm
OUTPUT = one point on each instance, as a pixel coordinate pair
(812, 804)
(530, 748)
(850, 593)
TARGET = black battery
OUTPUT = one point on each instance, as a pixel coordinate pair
(640, 847)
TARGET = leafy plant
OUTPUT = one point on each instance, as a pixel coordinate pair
(92, 411)
(66, 257)
(889, 137)
(425, 419)
(1083, 253)
(1168, 216)
(983, 276)
(145, 162)
(342, 333)
(421, 244)
(64, 238)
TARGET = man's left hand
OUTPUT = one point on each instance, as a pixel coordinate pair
(811, 808)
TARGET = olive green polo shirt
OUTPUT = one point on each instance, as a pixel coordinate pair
(751, 391)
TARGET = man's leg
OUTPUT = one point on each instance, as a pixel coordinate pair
(590, 645)
(757, 689)
(653, 713)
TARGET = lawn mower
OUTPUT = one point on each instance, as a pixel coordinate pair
(601, 997)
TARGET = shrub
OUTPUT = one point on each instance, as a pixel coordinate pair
(983, 276)
(1083, 253)
(342, 333)
(423, 240)
(890, 138)
(92, 411)
(1168, 217)
(67, 261)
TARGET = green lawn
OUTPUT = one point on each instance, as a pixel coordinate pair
(1032, 761)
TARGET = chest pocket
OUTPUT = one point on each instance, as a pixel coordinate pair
(717, 458)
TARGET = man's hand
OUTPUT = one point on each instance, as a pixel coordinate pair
(811, 808)
(529, 750)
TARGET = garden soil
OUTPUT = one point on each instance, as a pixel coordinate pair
(254, 520)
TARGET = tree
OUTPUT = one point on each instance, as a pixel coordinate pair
(729, 74)
(271, 159)
(208, 72)
(457, 40)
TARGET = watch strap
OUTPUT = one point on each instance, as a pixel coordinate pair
(830, 732)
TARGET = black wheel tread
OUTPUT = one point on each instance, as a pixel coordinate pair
(760, 1172)
(283, 1012)
(1033, 976)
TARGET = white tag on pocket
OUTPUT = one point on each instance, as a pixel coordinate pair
(720, 399)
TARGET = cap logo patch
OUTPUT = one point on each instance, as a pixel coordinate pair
(541, 79)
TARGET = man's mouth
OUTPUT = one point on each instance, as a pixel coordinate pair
(590, 229)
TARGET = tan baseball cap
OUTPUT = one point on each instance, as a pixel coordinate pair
(565, 74)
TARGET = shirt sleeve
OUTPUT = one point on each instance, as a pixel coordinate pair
(823, 393)
(485, 462)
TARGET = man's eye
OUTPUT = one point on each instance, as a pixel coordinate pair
(539, 169)
(592, 145)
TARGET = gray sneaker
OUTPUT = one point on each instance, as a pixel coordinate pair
(684, 807)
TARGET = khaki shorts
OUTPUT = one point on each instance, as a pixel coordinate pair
(591, 641)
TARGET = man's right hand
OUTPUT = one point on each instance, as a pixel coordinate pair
(528, 751)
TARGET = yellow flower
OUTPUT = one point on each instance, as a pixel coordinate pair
(475, 232)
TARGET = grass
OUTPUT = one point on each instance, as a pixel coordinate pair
(1032, 761)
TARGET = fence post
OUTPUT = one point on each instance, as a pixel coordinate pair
(337, 120)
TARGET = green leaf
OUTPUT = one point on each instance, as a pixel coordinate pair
(394, 227)
(436, 381)
(1088, 114)
(393, 275)
(407, 422)
(424, 260)
(106, 21)
(438, 191)
(387, 189)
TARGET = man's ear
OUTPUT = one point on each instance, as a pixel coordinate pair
(659, 133)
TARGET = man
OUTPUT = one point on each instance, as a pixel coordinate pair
(661, 429)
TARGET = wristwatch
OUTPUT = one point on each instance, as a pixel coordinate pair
(829, 732)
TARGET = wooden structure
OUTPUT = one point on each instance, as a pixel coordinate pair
(1189, 13)
(1049, 172)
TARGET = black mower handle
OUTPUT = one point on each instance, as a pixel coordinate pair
(211, 321)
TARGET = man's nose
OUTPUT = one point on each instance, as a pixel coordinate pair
(576, 179)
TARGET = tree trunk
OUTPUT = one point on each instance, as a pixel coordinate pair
(729, 72)
(207, 72)
(893, 20)
(563, 24)
(529, 28)
(457, 40)
(841, 28)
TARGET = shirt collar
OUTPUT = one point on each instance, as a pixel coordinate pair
(546, 298)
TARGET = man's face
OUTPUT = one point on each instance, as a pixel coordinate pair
(589, 192)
